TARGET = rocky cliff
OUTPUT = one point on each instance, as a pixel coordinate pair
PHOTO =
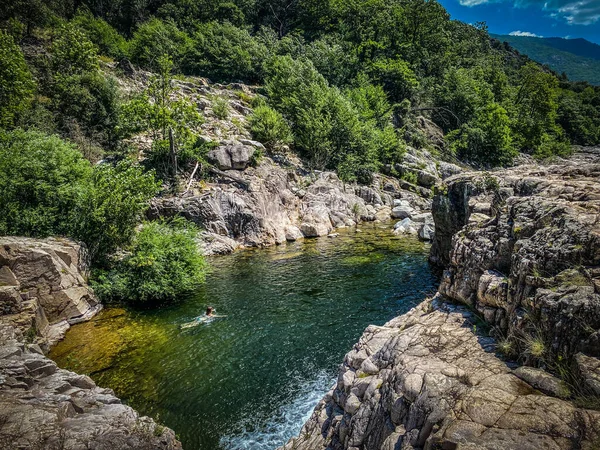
(251, 197)
(506, 354)
(43, 291)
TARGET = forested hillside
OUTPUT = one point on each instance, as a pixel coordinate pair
(577, 58)
(341, 84)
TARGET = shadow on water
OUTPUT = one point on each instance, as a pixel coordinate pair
(249, 381)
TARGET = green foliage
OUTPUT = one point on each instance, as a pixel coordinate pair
(48, 188)
(42, 179)
(396, 76)
(157, 111)
(73, 53)
(536, 105)
(163, 263)
(220, 107)
(16, 83)
(486, 140)
(269, 127)
(111, 205)
(223, 52)
(89, 102)
(327, 126)
(101, 34)
(156, 38)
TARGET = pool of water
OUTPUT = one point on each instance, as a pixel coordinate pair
(249, 380)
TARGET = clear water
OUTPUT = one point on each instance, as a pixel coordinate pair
(249, 381)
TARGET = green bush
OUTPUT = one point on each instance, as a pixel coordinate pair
(220, 107)
(105, 37)
(42, 180)
(269, 127)
(73, 53)
(156, 38)
(223, 52)
(90, 100)
(163, 263)
(16, 83)
(486, 140)
(350, 133)
(111, 205)
(48, 188)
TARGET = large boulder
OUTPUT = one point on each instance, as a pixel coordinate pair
(428, 380)
(232, 155)
(50, 276)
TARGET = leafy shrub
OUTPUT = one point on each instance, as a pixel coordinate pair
(552, 145)
(16, 83)
(111, 205)
(91, 100)
(486, 140)
(396, 76)
(73, 53)
(41, 182)
(157, 38)
(164, 262)
(48, 188)
(220, 107)
(157, 111)
(328, 128)
(269, 127)
(105, 37)
(223, 52)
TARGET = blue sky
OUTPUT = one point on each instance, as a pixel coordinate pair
(549, 18)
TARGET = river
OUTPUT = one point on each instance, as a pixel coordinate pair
(249, 380)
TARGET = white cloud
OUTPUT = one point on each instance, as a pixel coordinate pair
(470, 3)
(524, 33)
(574, 12)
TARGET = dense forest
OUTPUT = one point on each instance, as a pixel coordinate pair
(342, 84)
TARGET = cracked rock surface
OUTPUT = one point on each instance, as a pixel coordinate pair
(425, 380)
(43, 290)
(521, 252)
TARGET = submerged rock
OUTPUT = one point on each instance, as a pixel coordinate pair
(42, 406)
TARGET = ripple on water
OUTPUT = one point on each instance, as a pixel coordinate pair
(250, 380)
(276, 430)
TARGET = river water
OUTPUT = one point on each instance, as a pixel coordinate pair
(249, 380)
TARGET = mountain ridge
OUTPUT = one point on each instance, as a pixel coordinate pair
(578, 58)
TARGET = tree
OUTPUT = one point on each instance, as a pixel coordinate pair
(486, 140)
(536, 105)
(171, 122)
(16, 83)
(41, 180)
(156, 38)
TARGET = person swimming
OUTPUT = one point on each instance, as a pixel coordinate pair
(208, 316)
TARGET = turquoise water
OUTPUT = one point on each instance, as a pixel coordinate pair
(249, 380)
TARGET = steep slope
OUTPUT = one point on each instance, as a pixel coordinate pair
(578, 58)
(522, 252)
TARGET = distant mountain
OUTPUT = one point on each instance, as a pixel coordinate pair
(578, 58)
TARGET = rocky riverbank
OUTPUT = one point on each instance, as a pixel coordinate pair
(506, 354)
(43, 290)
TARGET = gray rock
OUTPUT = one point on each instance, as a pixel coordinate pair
(426, 232)
(402, 212)
(542, 380)
(232, 155)
(445, 388)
